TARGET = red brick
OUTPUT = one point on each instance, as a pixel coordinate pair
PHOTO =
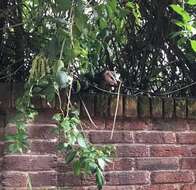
(171, 177)
(89, 103)
(2, 133)
(155, 137)
(43, 147)
(192, 125)
(121, 164)
(126, 178)
(193, 150)
(188, 163)
(34, 188)
(2, 148)
(132, 151)
(14, 179)
(127, 124)
(113, 102)
(43, 179)
(130, 106)
(186, 138)
(158, 187)
(118, 164)
(157, 164)
(42, 131)
(169, 151)
(100, 124)
(117, 188)
(104, 137)
(188, 187)
(157, 107)
(170, 125)
(62, 167)
(29, 163)
(104, 188)
(45, 116)
(68, 179)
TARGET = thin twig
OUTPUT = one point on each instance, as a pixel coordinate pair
(88, 114)
(60, 102)
(69, 98)
(116, 111)
(12, 26)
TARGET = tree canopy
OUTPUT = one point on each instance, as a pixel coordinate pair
(150, 43)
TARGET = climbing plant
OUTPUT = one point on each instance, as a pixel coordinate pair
(74, 35)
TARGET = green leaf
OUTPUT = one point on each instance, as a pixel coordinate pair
(71, 155)
(64, 4)
(184, 14)
(57, 117)
(76, 167)
(191, 2)
(193, 45)
(101, 163)
(81, 141)
(99, 179)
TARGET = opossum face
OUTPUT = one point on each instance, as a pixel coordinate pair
(110, 79)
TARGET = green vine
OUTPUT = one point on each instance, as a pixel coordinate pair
(75, 34)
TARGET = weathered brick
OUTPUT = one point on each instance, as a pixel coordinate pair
(104, 188)
(41, 131)
(130, 106)
(193, 150)
(68, 179)
(169, 151)
(2, 148)
(2, 133)
(132, 151)
(118, 164)
(101, 105)
(158, 187)
(157, 107)
(157, 164)
(188, 187)
(113, 104)
(155, 137)
(87, 102)
(144, 106)
(100, 124)
(14, 179)
(186, 138)
(43, 179)
(192, 125)
(180, 106)
(104, 137)
(45, 117)
(168, 104)
(188, 163)
(121, 164)
(171, 177)
(170, 125)
(29, 163)
(43, 147)
(127, 178)
(191, 108)
(128, 125)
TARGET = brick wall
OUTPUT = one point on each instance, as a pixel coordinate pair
(155, 140)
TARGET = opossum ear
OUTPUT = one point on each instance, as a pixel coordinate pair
(109, 78)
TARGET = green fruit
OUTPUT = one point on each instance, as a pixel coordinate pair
(62, 79)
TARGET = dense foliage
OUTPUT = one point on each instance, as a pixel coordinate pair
(150, 43)
(139, 39)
